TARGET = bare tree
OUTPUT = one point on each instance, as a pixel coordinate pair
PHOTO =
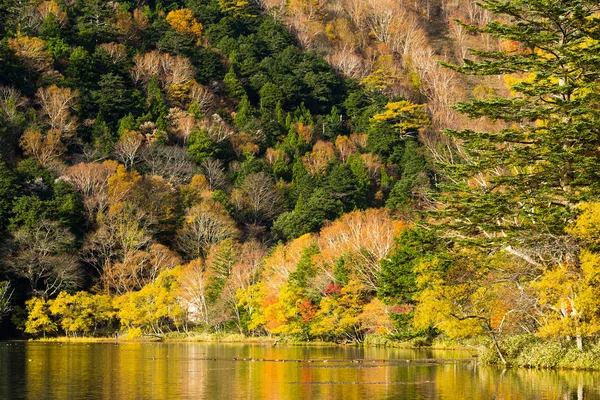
(91, 180)
(205, 224)
(46, 148)
(116, 52)
(170, 162)
(123, 231)
(11, 102)
(128, 148)
(257, 199)
(6, 293)
(56, 104)
(203, 97)
(137, 269)
(181, 124)
(194, 291)
(146, 66)
(169, 70)
(347, 62)
(214, 173)
(39, 254)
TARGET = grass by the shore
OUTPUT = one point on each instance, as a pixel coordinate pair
(524, 351)
(528, 351)
(226, 337)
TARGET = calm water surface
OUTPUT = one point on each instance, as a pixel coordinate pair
(242, 371)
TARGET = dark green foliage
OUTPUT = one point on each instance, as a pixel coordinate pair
(244, 114)
(545, 160)
(342, 270)
(8, 191)
(127, 123)
(103, 137)
(308, 216)
(332, 125)
(50, 28)
(222, 261)
(208, 65)
(302, 183)
(385, 141)
(233, 85)
(200, 146)
(342, 185)
(58, 48)
(270, 96)
(43, 197)
(113, 98)
(397, 279)
(305, 270)
(93, 22)
(157, 106)
(362, 182)
(414, 177)
(360, 109)
(80, 69)
(13, 71)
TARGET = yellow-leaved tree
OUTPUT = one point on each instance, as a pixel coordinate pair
(403, 115)
(38, 317)
(339, 313)
(82, 313)
(183, 21)
(468, 294)
(154, 308)
(568, 293)
(237, 8)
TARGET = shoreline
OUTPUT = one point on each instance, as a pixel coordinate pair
(474, 350)
(241, 339)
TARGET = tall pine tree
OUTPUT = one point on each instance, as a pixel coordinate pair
(518, 186)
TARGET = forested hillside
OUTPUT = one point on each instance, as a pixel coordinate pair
(281, 168)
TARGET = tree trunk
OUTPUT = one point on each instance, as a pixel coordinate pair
(493, 335)
(579, 338)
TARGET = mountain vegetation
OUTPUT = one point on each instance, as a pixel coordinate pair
(312, 169)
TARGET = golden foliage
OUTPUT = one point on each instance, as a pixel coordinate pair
(51, 7)
(46, 149)
(183, 21)
(317, 161)
(284, 260)
(403, 115)
(239, 8)
(368, 235)
(154, 306)
(339, 315)
(32, 51)
(375, 318)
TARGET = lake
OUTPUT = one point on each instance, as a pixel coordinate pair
(37, 370)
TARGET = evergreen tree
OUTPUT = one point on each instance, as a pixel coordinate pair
(8, 190)
(157, 106)
(233, 85)
(519, 185)
(113, 98)
(414, 177)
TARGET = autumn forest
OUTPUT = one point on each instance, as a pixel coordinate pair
(392, 172)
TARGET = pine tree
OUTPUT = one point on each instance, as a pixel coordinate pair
(519, 185)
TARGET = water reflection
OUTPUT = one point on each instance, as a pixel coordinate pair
(234, 371)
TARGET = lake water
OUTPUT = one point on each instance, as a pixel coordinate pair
(244, 371)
